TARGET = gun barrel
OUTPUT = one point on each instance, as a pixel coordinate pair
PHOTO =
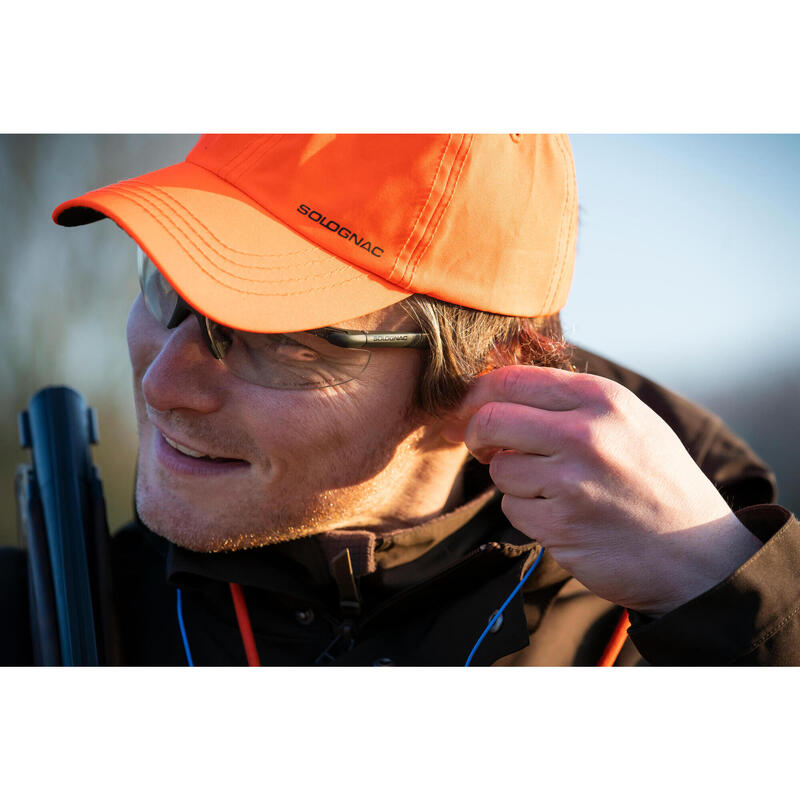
(58, 429)
(33, 537)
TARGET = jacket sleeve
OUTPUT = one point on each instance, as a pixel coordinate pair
(749, 619)
(16, 648)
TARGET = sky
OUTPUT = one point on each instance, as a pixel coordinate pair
(687, 254)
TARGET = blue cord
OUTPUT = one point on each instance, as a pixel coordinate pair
(474, 649)
(183, 631)
(508, 600)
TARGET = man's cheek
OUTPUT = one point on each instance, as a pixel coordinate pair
(312, 445)
(356, 431)
(303, 442)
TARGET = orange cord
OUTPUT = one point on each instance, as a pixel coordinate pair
(610, 654)
(243, 618)
(616, 642)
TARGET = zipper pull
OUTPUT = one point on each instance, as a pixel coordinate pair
(342, 570)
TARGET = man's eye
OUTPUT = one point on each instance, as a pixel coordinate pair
(221, 336)
(277, 346)
(287, 347)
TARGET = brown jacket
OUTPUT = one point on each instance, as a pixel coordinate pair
(749, 618)
(423, 595)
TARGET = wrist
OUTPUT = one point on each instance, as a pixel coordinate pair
(716, 551)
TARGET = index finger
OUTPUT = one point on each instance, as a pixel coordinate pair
(540, 387)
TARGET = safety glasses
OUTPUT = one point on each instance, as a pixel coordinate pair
(313, 359)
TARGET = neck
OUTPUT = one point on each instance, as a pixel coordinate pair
(419, 484)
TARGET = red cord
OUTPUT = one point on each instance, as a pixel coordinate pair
(246, 630)
(610, 654)
(616, 642)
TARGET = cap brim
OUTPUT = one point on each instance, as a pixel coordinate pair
(230, 258)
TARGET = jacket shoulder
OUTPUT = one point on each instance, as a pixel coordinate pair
(16, 648)
(728, 462)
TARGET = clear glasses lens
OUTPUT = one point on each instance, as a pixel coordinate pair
(159, 296)
(274, 360)
(288, 360)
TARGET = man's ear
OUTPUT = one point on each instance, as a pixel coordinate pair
(437, 431)
(453, 424)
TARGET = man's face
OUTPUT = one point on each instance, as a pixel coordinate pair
(350, 456)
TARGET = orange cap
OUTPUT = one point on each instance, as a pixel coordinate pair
(280, 232)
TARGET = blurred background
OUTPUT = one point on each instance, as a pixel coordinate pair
(686, 272)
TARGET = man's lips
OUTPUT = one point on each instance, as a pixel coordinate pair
(173, 455)
(194, 450)
(188, 451)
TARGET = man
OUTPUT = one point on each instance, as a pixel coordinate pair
(361, 430)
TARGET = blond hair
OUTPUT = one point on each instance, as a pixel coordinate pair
(465, 342)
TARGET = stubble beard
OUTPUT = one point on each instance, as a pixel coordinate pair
(378, 474)
(323, 511)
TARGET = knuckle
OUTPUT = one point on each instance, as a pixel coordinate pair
(497, 469)
(512, 381)
(536, 518)
(487, 422)
(581, 433)
(512, 508)
(560, 521)
(607, 396)
(505, 471)
(573, 485)
(615, 398)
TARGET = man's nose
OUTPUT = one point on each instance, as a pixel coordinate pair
(184, 374)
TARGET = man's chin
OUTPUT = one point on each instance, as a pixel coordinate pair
(204, 535)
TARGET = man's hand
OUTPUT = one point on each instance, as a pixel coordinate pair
(599, 479)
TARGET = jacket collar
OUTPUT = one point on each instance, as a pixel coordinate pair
(390, 562)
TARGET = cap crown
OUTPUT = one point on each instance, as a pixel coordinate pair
(486, 221)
